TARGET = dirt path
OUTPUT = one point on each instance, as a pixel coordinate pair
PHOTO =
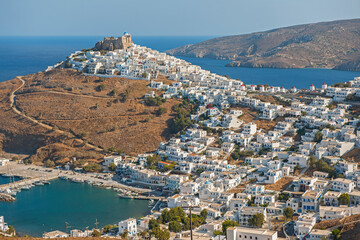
(17, 111)
(74, 94)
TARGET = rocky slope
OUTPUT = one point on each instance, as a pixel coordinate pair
(321, 45)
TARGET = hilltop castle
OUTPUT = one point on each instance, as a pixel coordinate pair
(111, 43)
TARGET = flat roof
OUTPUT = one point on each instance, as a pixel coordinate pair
(259, 231)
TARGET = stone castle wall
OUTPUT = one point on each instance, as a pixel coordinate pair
(111, 43)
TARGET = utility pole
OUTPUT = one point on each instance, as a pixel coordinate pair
(96, 223)
(190, 208)
(191, 235)
(67, 224)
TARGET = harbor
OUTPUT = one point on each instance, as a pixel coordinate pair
(32, 175)
(47, 207)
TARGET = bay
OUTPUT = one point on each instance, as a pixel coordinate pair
(47, 208)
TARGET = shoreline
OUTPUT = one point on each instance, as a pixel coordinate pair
(32, 173)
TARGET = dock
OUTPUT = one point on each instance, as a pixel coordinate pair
(37, 175)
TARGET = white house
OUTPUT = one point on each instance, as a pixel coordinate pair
(112, 159)
(4, 161)
(242, 233)
(342, 185)
(129, 225)
(3, 225)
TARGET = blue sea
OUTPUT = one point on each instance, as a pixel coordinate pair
(47, 208)
(23, 55)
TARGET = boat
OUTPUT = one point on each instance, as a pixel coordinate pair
(46, 182)
(7, 175)
(25, 187)
(38, 183)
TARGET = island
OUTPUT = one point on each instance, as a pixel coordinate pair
(216, 158)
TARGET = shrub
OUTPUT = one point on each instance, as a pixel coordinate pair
(161, 111)
(92, 167)
(100, 87)
(257, 220)
(154, 101)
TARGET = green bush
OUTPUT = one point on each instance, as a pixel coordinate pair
(92, 167)
(154, 101)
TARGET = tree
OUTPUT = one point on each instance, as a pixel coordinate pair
(92, 167)
(96, 233)
(153, 160)
(11, 230)
(112, 167)
(229, 223)
(336, 234)
(107, 228)
(283, 196)
(154, 101)
(100, 87)
(161, 234)
(204, 214)
(257, 220)
(217, 233)
(344, 199)
(125, 234)
(288, 213)
(50, 164)
(143, 234)
(182, 119)
(153, 224)
(175, 226)
(113, 92)
(318, 137)
(161, 111)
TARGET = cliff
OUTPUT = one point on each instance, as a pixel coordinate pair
(321, 45)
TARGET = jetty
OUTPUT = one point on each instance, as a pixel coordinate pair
(6, 198)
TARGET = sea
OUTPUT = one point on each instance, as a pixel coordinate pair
(81, 206)
(50, 207)
(24, 55)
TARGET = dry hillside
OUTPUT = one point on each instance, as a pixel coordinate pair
(82, 115)
(319, 45)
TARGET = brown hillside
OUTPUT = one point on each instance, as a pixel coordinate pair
(319, 45)
(112, 115)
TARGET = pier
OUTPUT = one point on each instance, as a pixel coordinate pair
(37, 175)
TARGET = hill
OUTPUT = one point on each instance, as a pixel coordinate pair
(62, 114)
(321, 45)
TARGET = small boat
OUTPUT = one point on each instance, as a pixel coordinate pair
(25, 187)
(46, 182)
(38, 183)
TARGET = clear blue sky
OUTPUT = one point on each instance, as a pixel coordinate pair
(164, 17)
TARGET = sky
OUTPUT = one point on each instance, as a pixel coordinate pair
(164, 17)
